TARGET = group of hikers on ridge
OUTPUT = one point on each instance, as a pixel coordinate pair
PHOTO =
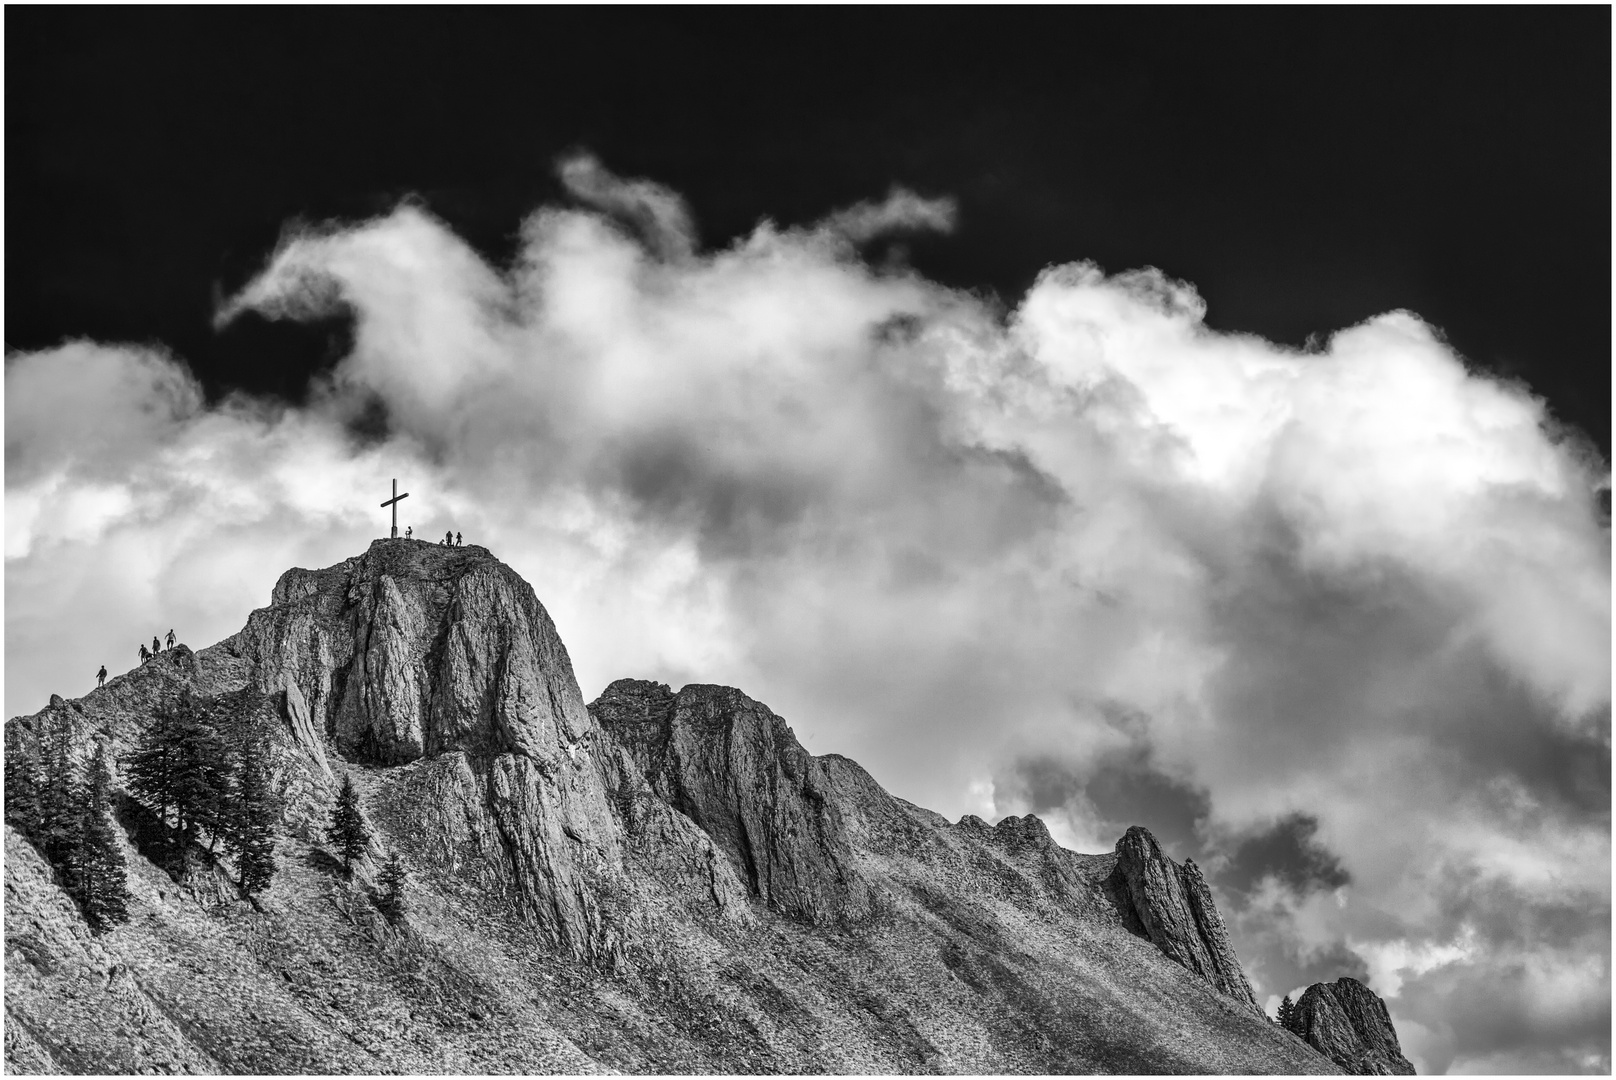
(145, 655)
(450, 539)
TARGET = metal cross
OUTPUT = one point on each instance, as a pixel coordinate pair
(393, 502)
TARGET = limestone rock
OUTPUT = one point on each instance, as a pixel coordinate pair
(1174, 907)
(734, 768)
(415, 649)
(1348, 1023)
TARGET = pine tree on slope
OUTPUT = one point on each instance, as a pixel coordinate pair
(253, 812)
(347, 829)
(22, 789)
(391, 897)
(100, 884)
(61, 799)
(181, 771)
(1287, 1013)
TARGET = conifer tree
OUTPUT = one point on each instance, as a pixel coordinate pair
(391, 897)
(1287, 1013)
(253, 811)
(347, 829)
(181, 770)
(99, 882)
(22, 789)
(60, 811)
(149, 770)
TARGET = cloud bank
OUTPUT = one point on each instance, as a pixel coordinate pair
(1336, 622)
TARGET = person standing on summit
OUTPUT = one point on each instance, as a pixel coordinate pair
(156, 646)
(101, 677)
(170, 638)
(144, 655)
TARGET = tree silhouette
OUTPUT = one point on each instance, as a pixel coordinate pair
(181, 769)
(347, 829)
(391, 897)
(22, 789)
(59, 814)
(253, 811)
(99, 881)
(1287, 1013)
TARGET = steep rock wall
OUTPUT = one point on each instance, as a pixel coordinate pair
(414, 651)
(1174, 907)
(735, 768)
(1348, 1023)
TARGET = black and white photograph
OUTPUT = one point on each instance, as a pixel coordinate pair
(777, 540)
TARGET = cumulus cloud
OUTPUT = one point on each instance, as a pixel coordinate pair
(1336, 622)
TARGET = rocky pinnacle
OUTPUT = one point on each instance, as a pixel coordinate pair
(1175, 909)
(1348, 1023)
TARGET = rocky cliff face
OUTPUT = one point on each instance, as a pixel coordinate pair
(1348, 1023)
(665, 881)
(736, 770)
(415, 650)
(1174, 907)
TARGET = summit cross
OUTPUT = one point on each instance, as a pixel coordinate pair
(393, 502)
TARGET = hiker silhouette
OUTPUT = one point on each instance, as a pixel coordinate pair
(156, 646)
(101, 676)
(170, 639)
(448, 538)
(457, 539)
(145, 654)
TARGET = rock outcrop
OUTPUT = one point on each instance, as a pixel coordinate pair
(417, 650)
(1175, 910)
(735, 768)
(1348, 1023)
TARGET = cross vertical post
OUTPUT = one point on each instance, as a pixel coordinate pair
(393, 502)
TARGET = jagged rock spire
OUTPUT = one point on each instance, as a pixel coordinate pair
(1175, 909)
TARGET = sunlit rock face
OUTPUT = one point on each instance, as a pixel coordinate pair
(416, 648)
(1348, 1023)
(1175, 909)
(735, 768)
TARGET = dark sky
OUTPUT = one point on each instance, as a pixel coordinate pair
(1305, 169)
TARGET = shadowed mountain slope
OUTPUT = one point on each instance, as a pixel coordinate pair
(660, 882)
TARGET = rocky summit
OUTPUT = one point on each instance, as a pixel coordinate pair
(662, 881)
(1349, 1024)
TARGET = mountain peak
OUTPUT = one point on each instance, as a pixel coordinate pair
(663, 881)
(415, 648)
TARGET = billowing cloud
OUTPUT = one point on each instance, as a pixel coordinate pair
(1335, 621)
